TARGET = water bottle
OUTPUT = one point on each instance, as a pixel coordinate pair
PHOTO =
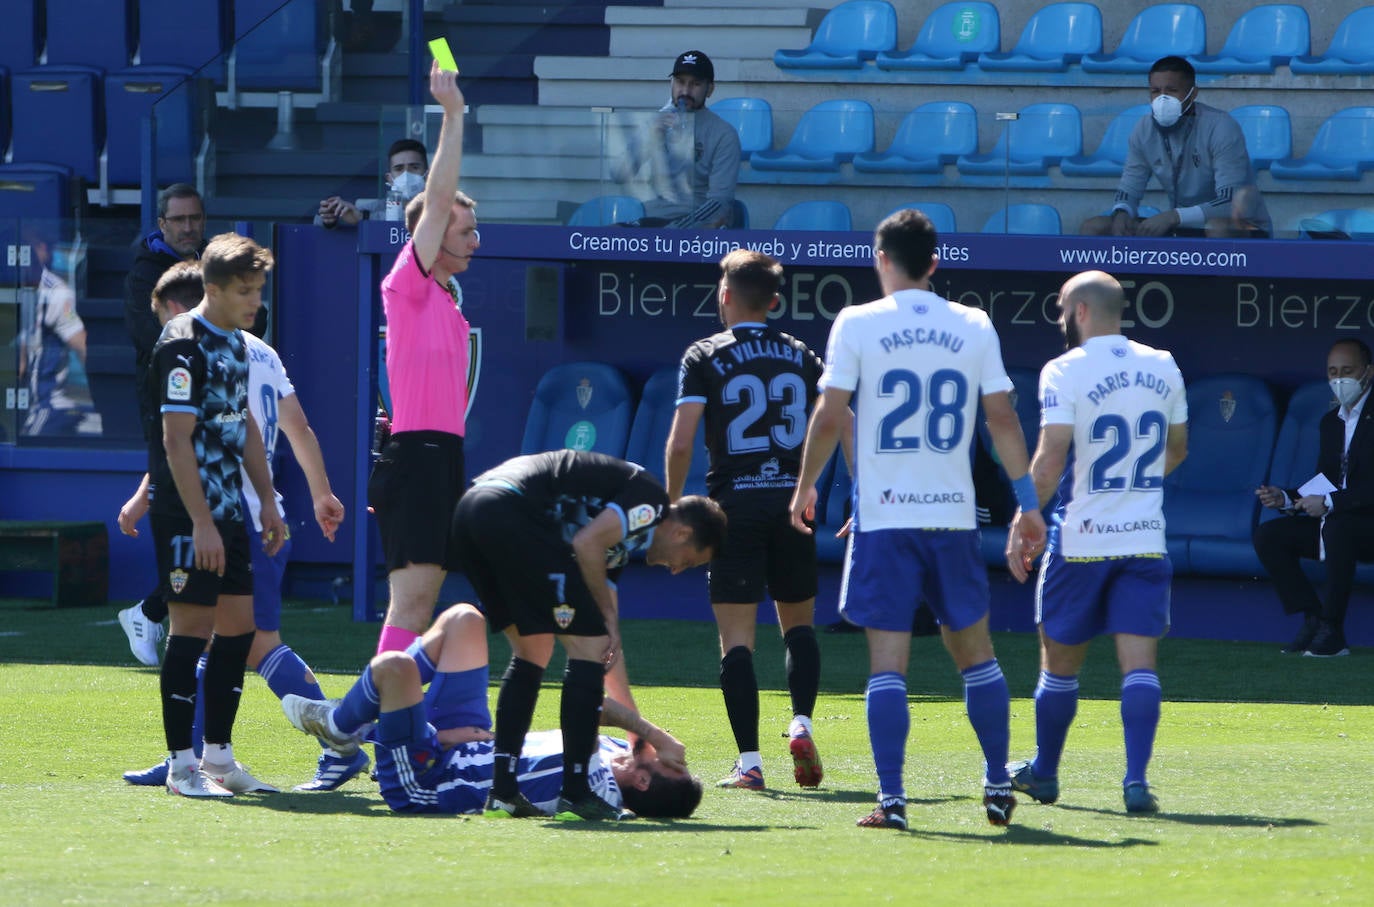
(381, 432)
(395, 204)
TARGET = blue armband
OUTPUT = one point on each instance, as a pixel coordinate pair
(1026, 498)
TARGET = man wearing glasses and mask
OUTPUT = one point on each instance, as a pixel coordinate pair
(407, 164)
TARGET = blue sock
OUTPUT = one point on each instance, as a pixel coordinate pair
(427, 668)
(988, 702)
(402, 727)
(1056, 704)
(285, 672)
(888, 724)
(459, 699)
(1140, 697)
(198, 723)
(360, 704)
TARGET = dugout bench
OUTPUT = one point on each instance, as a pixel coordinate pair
(77, 554)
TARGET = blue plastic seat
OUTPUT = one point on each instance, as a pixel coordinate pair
(1346, 223)
(1351, 51)
(181, 33)
(1025, 219)
(19, 41)
(1110, 157)
(1209, 501)
(1157, 31)
(649, 431)
(815, 215)
(1055, 37)
(605, 210)
(89, 33)
(1295, 450)
(752, 119)
(58, 118)
(283, 51)
(580, 405)
(35, 192)
(849, 35)
(941, 215)
(1343, 149)
(162, 91)
(828, 135)
(928, 138)
(1040, 137)
(1268, 133)
(1262, 39)
(951, 37)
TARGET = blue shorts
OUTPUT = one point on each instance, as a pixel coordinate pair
(1076, 600)
(889, 572)
(268, 573)
(420, 776)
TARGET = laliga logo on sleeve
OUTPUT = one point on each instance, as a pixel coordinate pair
(179, 384)
(641, 516)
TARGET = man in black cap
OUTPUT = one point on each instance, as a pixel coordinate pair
(692, 154)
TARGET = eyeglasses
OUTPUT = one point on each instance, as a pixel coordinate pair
(185, 220)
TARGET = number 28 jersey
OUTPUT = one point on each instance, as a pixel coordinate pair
(917, 365)
(1120, 397)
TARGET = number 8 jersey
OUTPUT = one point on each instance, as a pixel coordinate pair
(1120, 397)
(917, 365)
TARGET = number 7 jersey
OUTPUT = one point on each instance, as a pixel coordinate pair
(1120, 397)
(917, 365)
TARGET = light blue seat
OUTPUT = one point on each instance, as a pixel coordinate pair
(1262, 39)
(849, 35)
(828, 135)
(181, 33)
(1295, 449)
(35, 191)
(58, 118)
(1351, 51)
(1110, 157)
(605, 210)
(1268, 133)
(1025, 219)
(19, 41)
(649, 431)
(952, 36)
(283, 51)
(88, 33)
(1054, 37)
(1040, 137)
(941, 215)
(815, 215)
(140, 91)
(1343, 149)
(582, 406)
(929, 137)
(1351, 223)
(752, 119)
(1157, 31)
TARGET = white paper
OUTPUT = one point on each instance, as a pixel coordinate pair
(1319, 484)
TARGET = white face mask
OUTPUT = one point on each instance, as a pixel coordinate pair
(1347, 390)
(1166, 109)
(408, 184)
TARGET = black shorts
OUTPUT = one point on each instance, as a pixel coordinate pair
(414, 487)
(762, 552)
(523, 571)
(179, 580)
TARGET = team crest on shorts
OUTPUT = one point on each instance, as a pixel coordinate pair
(563, 615)
(178, 578)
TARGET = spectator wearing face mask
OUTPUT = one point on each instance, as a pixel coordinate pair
(407, 164)
(1197, 155)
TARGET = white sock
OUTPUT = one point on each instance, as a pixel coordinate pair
(749, 761)
(220, 754)
(183, 759)
(799, 723)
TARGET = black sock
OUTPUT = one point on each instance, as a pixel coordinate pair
(803, 668)
(224, 667)
(155, 606)
(179, 689)
(741, 690)
(580, 719)
(514, 712)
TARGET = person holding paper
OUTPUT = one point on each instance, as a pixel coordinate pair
(1331, 516)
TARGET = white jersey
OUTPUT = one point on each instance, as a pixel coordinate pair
(1120, 397)
(918, 365)
(267, 385)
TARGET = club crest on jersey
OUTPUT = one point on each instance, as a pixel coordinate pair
(563, 615)
(920, 308)
(178, 579)
(1119, 352)
(584, 392)
(1228, 406)
(179, 384)
(641, 516)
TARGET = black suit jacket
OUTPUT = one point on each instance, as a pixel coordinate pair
(1358, 495)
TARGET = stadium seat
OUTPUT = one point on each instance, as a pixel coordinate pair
(951, 37)
(1295, 451)
(740, 219)
(162, 91)
(834, 503)
(181, 33)
(1268, 133)
(58, 118)
(605, 210)
(579, 405)
(277, 45)
(1110, 157)
(89, 33)
(928, 138)
(1262, 39)
(649, 432)
(19, 40)
(941, 215)
(816, 215)
(1351, 51)
(1343, 149)
(828, 134)
(1209, 501)
(1025, 219)
(1157, 31)
(849, 35)
(752, 119)
(1339, 223)
(35, 191)
(1040, 137)
(1054, 37)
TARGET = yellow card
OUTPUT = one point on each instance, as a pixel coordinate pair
(439, 48)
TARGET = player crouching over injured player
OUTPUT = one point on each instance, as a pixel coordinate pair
(434, 747)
